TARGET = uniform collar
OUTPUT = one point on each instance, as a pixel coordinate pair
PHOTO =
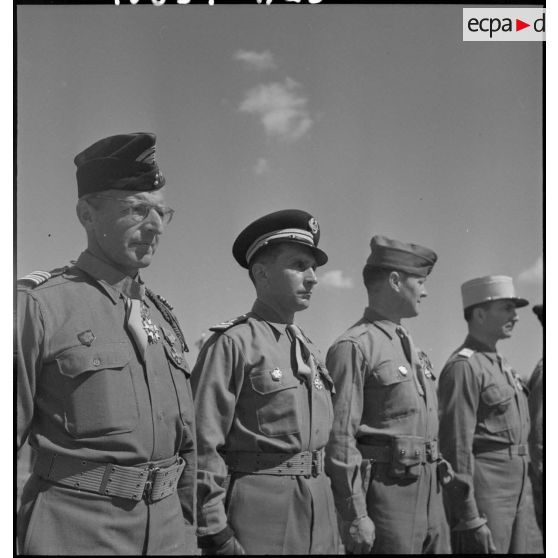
(477, 345)
(268, 315)
(113, 282)
(381, 322)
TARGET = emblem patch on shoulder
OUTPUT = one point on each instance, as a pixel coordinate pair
(467, 353)
(86, 337)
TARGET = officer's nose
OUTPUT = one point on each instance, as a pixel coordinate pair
(153, 222)
(310, 276)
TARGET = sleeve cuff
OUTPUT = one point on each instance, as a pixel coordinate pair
(216, 540)
(467, 525)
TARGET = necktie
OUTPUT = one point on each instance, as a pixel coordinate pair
(135, 324)
(304, 363)
(408, 350)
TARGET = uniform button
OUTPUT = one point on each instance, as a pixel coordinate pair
(96, 361)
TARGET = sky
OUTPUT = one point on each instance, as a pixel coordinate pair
(376, 119)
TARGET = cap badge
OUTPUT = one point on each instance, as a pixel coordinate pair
(313, 224)
(403, 370)
(276, 374)
(86, 337)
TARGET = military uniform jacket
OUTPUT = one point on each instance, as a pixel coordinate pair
(248, 398)
(85, 391)
(377, 393)
(483, 406)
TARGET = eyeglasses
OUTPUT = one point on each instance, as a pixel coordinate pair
(139, 211)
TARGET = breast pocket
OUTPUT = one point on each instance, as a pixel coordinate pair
(276, 402)
(393, 392)
(99, 395)
(498, 409)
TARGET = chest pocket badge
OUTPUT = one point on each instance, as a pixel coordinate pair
(86, 337)
(403, 370)
(276, 375)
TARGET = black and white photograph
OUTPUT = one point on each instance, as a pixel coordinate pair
(279, 278)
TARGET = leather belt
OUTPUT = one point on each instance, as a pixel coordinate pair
(371, 448)
(305, 463)
(149, 481)
(513, 449)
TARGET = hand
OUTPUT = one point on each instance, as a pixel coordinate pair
(359, 535)
(475, 541)
(231, 547)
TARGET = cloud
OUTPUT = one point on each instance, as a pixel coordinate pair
(261, 167)
(335, 279)
(281, 108)
(255, 60)
(533, 274)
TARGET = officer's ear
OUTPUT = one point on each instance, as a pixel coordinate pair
(259, 273)
(394, 280)
(479, 314)
(85, 213)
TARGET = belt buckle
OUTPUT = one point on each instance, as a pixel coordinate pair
(148, 489)
(315, 463)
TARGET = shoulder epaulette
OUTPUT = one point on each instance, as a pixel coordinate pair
(37, 278)
(223, 326)
(465, 352)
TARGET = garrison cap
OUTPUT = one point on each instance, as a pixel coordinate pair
(387, 253)
(538, 309)
(488, 288)
(287, 225)
(121, 162)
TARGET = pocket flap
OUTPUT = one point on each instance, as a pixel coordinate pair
(270, 381)
(497, 395)
(77, 360)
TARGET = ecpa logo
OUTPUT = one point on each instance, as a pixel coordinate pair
(503, 24)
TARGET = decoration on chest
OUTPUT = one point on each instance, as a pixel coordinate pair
(425, 364)
(276, 375)
(149, 327)
(86, 337)
(403, 370)
(318, 384)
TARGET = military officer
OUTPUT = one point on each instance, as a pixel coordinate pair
(536, 436)
(484, 424)
(103, 386)
(263, 406)
(382, 456)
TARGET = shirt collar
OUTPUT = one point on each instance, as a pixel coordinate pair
(477, 345)
(268, 315)
(112, 281)
(381, 322)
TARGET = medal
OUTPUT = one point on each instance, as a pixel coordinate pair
(150, 328)
(318, 384)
